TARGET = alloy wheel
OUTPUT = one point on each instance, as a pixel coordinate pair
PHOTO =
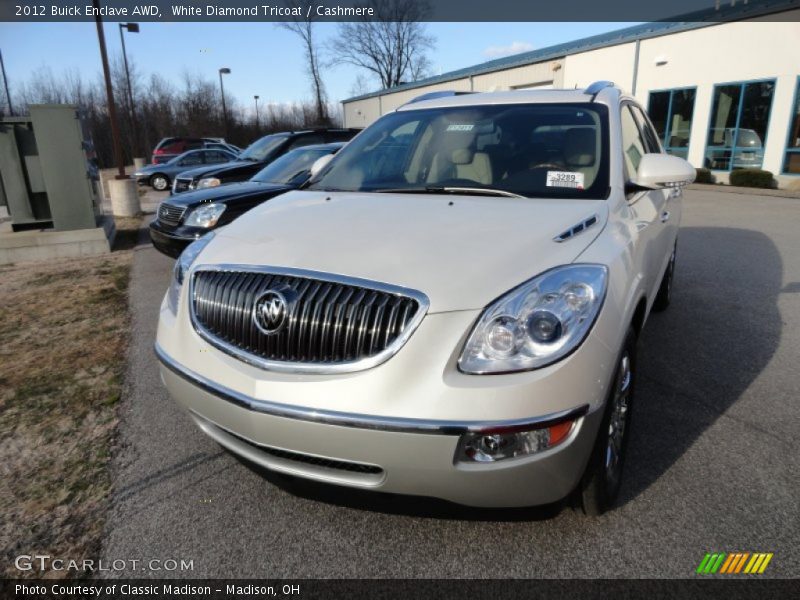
(618, 422)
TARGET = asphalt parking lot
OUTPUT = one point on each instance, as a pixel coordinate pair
(714, 462)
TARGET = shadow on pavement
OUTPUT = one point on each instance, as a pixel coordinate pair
(698, 357)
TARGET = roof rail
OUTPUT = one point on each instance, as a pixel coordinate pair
(438, 94)
(596, 87)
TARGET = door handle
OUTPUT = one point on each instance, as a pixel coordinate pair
(665, 216)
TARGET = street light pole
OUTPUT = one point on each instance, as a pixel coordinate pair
(112, 108)
(5, 82)
(224, 71)
(256, 99)
(132, 28)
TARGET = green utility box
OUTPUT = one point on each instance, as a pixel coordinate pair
(48, 170)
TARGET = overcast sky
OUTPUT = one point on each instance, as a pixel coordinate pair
(263, 58)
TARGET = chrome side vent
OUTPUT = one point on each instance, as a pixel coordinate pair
(577, 229)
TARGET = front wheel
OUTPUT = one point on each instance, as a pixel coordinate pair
(600, 485)
(159, 182)
(664, 295)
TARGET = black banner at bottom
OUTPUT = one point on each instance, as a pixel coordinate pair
(379, 589)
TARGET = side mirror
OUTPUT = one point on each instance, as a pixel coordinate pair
(319, 165)
(658, 171)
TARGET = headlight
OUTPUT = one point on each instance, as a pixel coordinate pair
(208, 182)
(537, 323)
(185, 260)
(205, 216)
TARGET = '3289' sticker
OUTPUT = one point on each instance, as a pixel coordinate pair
(565, 179)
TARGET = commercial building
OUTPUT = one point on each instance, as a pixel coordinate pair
(724, 95)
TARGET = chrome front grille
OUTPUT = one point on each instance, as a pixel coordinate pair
(169, 214)
(332, 323)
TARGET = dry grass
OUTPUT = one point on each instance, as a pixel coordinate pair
(63, 337)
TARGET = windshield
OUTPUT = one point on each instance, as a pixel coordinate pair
(292, 166)
(261, 149)
(532, 150)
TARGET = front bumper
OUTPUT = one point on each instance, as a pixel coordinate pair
(168, 242)
(173, 241)
(403, 456)
(396, 427)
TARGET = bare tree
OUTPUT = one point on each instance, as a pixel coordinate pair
(392, 46)
(189, 107)
(305, 30)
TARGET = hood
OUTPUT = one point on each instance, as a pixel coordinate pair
(149, 169)
(229, 192)
(462, 252)
(221, 168)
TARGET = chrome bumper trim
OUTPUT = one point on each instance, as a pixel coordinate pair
(343, 419)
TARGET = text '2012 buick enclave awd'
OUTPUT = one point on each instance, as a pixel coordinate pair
(449, 309)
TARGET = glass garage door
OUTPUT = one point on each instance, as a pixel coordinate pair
(791, 163)
(671, 112)
(738, 128)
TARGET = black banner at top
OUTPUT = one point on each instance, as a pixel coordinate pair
(424, 10)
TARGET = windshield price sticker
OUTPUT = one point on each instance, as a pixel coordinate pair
(459, 127)
(565, 179)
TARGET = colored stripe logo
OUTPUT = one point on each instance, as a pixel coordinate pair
(734, 563)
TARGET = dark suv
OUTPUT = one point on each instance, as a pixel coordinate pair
(256, 156)
(170, 147)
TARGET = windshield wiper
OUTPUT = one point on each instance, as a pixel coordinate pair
(439, 189)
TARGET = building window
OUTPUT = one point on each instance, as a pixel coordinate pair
(671, 112)
(791, 163)
(738, 128)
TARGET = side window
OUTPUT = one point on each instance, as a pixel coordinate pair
(633, 146)
(193, 159)
(650, 137)
(306, 140)
(215, 156)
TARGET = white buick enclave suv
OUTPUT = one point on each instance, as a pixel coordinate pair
(450, 308)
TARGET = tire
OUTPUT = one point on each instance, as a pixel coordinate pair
(600, 484)
(159, 182)
(664, 295)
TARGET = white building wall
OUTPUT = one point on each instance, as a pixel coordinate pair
(726, 53)
(540, 74)
(361, 112)
(613, 63)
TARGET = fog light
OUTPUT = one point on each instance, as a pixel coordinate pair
(492, 446)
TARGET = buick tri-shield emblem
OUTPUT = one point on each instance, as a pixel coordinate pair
(270, 312)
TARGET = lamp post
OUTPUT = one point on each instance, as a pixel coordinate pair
(132, 28)
(256, 99)
(112, 108)
(224, 71)
(5, 82)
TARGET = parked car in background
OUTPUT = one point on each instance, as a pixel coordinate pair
(256, 156)
(170, 147)
(450, 308)
(730, 148)
(160, 176)
(223, 146)
(185, 217)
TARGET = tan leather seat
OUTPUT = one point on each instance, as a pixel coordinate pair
(475, 166)
(580, 152)
(462, 163)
